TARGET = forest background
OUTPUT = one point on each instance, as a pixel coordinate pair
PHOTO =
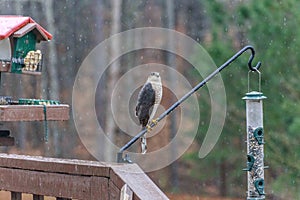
(222, 28)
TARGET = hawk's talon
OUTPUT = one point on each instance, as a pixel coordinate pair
(148, 127)
(155, 121)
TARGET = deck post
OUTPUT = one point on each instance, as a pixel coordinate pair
(37, 197)
(16, 196)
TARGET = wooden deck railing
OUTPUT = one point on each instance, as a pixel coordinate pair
(74, 179)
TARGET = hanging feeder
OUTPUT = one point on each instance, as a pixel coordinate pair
(255, 145)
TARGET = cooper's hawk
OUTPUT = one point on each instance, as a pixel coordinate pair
(148, 101)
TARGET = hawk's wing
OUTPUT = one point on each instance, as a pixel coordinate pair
(145, 102)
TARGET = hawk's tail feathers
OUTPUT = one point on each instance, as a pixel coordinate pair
(144, 142)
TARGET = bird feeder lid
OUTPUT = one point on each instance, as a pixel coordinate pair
(254, 96)
(20, 25)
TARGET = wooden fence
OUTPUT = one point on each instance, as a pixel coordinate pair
(67, 179)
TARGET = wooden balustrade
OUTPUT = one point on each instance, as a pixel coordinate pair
(67, 179)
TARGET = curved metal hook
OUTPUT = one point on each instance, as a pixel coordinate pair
(240, 53)
(251, 58)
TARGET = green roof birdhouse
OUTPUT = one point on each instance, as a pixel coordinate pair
(18, 38)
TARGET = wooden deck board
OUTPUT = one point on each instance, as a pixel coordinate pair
(69, 178)
(10, 113)
(44, 183)
(137, 180)
(67, 166)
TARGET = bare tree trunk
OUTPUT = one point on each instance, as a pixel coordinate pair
(113, 76)
(52, 68)
(223, 178)
(171, 61)
(52, 82)
(122, 138)
(21, 128)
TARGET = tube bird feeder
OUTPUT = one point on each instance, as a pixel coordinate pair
(255, 145)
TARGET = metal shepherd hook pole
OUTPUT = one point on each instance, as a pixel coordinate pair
(176, 104)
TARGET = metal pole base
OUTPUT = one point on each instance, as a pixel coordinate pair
(255, 198)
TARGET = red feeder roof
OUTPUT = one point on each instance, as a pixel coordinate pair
(11, 24)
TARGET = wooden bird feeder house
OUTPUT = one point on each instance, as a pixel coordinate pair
(18, 38)
(18, 54)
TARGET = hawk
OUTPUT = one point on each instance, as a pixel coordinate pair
(148, 101)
